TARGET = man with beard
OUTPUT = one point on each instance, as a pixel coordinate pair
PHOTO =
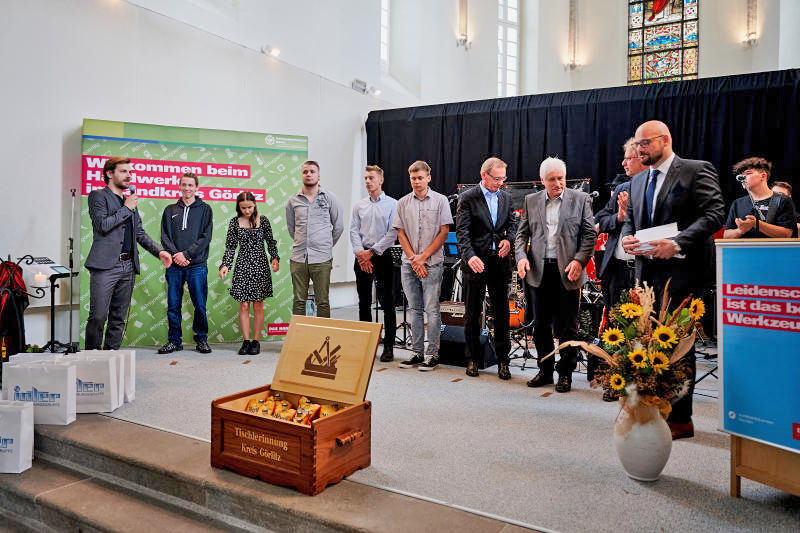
(315, 223)
(687, 192)
(113, 260)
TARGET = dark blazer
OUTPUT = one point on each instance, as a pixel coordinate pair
(575, 235)
(474, 229)
(606, 218)
(108, 225)
(690, 196)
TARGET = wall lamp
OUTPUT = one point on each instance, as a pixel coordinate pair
(270, 50)
(463, 27)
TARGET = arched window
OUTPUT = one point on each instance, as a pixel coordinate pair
(662, 40)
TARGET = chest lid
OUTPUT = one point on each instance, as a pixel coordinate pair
(327, 358)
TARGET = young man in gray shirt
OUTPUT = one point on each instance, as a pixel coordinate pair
(315, 222)
(423, 221)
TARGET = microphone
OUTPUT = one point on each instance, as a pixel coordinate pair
(132, 189)
(741, 177)
(594, 194)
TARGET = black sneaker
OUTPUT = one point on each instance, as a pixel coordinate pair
(245, 349)
(170, 347)
(416, 359)
(431, 363)
(255, 348)
(203, 347)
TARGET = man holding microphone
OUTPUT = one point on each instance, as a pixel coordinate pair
(113, 260)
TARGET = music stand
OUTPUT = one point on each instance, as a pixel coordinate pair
(396, 252)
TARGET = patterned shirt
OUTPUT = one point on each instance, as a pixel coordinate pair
(421, 220)
(314, 226)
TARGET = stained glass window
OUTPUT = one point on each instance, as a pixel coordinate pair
(662, 40)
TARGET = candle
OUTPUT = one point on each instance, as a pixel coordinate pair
(40, 279)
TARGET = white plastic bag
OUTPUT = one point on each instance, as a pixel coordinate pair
(16, 436)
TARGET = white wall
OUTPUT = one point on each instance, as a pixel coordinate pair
(116, 61)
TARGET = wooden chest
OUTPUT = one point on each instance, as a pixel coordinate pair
(328, 361)
(453, 313)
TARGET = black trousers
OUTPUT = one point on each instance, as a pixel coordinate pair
(619, 276)
(383, 273)
(556, 310)
(495, 278)
(656, 273)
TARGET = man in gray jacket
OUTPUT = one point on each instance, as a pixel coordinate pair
(558, 224)
(113, 261)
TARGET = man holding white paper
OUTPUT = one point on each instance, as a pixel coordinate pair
(676, 191)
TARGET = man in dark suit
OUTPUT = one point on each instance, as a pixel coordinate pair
(485, 230)
(558, 224)
(687, 192)
(113, 261)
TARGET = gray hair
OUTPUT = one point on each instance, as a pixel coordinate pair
(549, 165)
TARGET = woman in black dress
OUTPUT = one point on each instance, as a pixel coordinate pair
(252, 281)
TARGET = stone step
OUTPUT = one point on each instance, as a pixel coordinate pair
(50, 498)
(176, 470)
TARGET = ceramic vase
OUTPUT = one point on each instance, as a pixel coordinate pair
(643, 441)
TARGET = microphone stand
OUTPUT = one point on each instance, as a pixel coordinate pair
(70, 248)
(756, 210)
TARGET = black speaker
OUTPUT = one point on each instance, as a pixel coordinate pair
(452, 348)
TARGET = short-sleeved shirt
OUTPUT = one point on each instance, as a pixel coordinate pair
(784, 214)
(421, 221)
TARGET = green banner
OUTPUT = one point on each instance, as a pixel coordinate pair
(226, 162)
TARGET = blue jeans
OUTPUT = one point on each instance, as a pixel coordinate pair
(423, 295)
(196, 278)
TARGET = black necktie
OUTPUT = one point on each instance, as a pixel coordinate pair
(649, 195)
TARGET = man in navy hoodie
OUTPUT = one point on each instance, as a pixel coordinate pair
(186, 234)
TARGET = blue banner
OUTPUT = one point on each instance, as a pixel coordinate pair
(758, 311)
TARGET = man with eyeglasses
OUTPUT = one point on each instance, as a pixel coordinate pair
(761, 213)
(485, 229)
(687, 192)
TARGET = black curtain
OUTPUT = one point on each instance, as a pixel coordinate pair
(721, 120)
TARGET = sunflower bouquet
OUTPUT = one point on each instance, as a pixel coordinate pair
(643, 352)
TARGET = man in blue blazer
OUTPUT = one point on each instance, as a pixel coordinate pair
(113, 261)
(485, 229)
(687, 192)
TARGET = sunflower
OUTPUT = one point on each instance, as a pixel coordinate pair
(665, 336)
(630, 310)
(638, 358)
(613, 336)
(617, 382)
(697, 308)
(659, 362)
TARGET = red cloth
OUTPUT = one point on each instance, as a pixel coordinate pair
(658, 6)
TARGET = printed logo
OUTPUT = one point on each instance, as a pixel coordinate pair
(88, 388)
(322, 367)
(796, 431)
(6, 445)
(732, 415)
(35, 395)
(269, 139)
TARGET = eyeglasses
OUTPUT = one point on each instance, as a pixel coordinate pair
(501, 180)
(646, 142)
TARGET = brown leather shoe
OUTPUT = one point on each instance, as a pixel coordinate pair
(502, 371)
(472, 369)
(681, 431)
